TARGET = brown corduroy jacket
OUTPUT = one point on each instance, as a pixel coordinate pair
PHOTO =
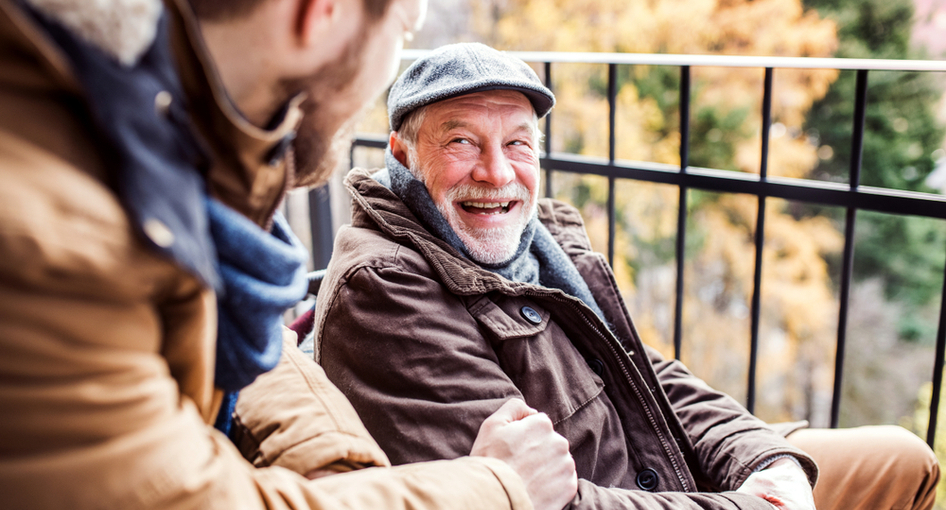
(434, 344)
(107, 349)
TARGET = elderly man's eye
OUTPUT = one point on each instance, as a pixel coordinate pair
(460, 140)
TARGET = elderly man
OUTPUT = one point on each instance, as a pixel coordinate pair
(455, 289)
(143, 274)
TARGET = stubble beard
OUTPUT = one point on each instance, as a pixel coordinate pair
(324, 137)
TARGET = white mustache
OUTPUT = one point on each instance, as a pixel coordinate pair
(468, 192)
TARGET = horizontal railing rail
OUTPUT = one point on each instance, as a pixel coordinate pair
(761, 62)
(851, 196)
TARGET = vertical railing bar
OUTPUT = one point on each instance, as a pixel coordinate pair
(548, 136)
(766, 123)
(612, 110)
(612, 228)
(320, 225)
(684, 118)
(937, 369)
(682, 207)
(845, 291)
(351, 155)
(857, 142)
(847, 269)
(759, 243)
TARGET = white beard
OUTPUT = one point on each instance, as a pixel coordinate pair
(489, 245)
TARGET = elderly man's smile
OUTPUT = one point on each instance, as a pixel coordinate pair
(487, 208)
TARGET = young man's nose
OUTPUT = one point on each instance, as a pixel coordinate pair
(494, 168)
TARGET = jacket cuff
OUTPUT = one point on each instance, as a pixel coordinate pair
(806, 463)
(511, 482)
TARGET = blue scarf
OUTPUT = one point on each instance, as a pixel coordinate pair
(539, 260)
(263, 275)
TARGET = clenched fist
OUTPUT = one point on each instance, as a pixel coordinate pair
(525, 439)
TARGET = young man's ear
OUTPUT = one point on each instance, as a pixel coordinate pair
(313, 19)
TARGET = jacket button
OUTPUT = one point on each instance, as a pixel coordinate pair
(597, 366)
(531, 315)
(648, 479)
(162, 103)
(158, 232)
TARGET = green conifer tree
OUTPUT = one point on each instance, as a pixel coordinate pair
(900, 140)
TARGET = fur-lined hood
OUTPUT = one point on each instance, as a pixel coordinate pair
(124, 29)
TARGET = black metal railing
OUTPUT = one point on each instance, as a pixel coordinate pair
(852, 196)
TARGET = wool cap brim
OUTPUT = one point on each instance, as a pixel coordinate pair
(459, 69)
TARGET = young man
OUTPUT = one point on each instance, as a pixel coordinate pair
(458, 288)
(143, 274)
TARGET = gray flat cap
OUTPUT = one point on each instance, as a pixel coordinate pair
(465, 68)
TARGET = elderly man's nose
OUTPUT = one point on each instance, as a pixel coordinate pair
(494, 168)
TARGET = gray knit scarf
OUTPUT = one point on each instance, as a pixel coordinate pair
(539, 260)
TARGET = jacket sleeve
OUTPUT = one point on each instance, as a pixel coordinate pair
(409, 357)
(293, 417)
(729, 441)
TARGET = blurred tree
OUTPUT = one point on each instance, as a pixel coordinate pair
(901, 135)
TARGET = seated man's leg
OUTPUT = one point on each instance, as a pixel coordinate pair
(881, 467)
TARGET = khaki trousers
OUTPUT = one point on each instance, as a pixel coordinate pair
(875, 468)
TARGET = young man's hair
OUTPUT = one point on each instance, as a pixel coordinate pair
(219, 10)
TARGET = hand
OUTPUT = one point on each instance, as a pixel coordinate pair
(783, 484)
(525, 439)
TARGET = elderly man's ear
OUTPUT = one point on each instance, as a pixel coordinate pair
(398, 149)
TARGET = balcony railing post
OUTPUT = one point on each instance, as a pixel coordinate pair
(612, 111)
(937, 369)
(548, 136)
(682, 207)
(847, 269)
(320, 224)
(759, 242)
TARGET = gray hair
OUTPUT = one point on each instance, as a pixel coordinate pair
(407, 134)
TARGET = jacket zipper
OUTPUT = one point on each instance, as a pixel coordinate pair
(610, 341)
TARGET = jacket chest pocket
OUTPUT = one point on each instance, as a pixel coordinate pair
(537, 356)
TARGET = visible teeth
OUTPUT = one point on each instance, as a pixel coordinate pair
(486, 205)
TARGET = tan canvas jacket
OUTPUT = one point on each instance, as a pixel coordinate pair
(434, 343)
(107, 350)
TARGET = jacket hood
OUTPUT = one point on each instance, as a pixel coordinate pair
(123, 29)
